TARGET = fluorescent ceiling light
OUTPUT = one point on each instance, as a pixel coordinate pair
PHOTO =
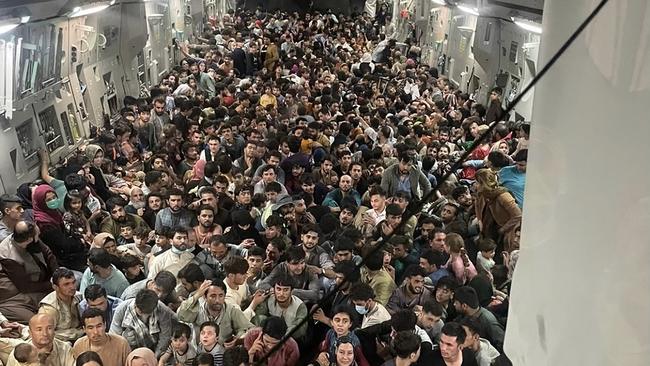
(528, 25)
(468, 10)
(8, 25)
(440, 2)
(80, 11)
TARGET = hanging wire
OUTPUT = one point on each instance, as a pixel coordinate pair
(457, 165)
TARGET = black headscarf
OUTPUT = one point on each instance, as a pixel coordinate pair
(25, 195)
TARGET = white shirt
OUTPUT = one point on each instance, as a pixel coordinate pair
(236, 296)
(169, 261)
(377, 315)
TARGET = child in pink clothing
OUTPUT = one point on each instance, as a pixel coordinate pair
(458, 264)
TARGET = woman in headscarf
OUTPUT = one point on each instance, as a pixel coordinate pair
(107, 242)
(96, 156)
(24, 192)
(141, 357)
(497, 211)
(69, 250)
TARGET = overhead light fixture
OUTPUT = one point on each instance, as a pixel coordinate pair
(468, 10)
(25, 19)
(80, 11)
(528, 25)
(439, 2)
(7, 25)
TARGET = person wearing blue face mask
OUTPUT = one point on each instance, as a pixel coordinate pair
(69, 251)
(176, 257)
(363, 298)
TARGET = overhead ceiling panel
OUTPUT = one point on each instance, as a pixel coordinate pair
(529, 6)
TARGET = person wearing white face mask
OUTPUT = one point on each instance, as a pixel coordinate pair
(363, 298)
(176, 257)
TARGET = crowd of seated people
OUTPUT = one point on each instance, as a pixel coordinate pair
(269, 185)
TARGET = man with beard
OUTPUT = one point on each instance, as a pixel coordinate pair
(411, 293)
(112, 348)
(27, 266)
(204, 80)
(422, 242)
(206, 227)
(100, 271)
(345, 193)
(176, 257)
(159, 118)
(175, 214)
(118, 218)
(208, 304)
(191, 155)
(210, 197)
(359, 181)
(405, 176)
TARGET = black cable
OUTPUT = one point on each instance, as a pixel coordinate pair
(457, 165)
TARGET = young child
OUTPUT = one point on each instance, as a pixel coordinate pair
(208, 337)
(139, 248)
(26, 354)
(126, 235)
(74, 221)
(458, 264)
(132, 268)
(180, 351)
(162, 244)
(485, 256)
(342, 322)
